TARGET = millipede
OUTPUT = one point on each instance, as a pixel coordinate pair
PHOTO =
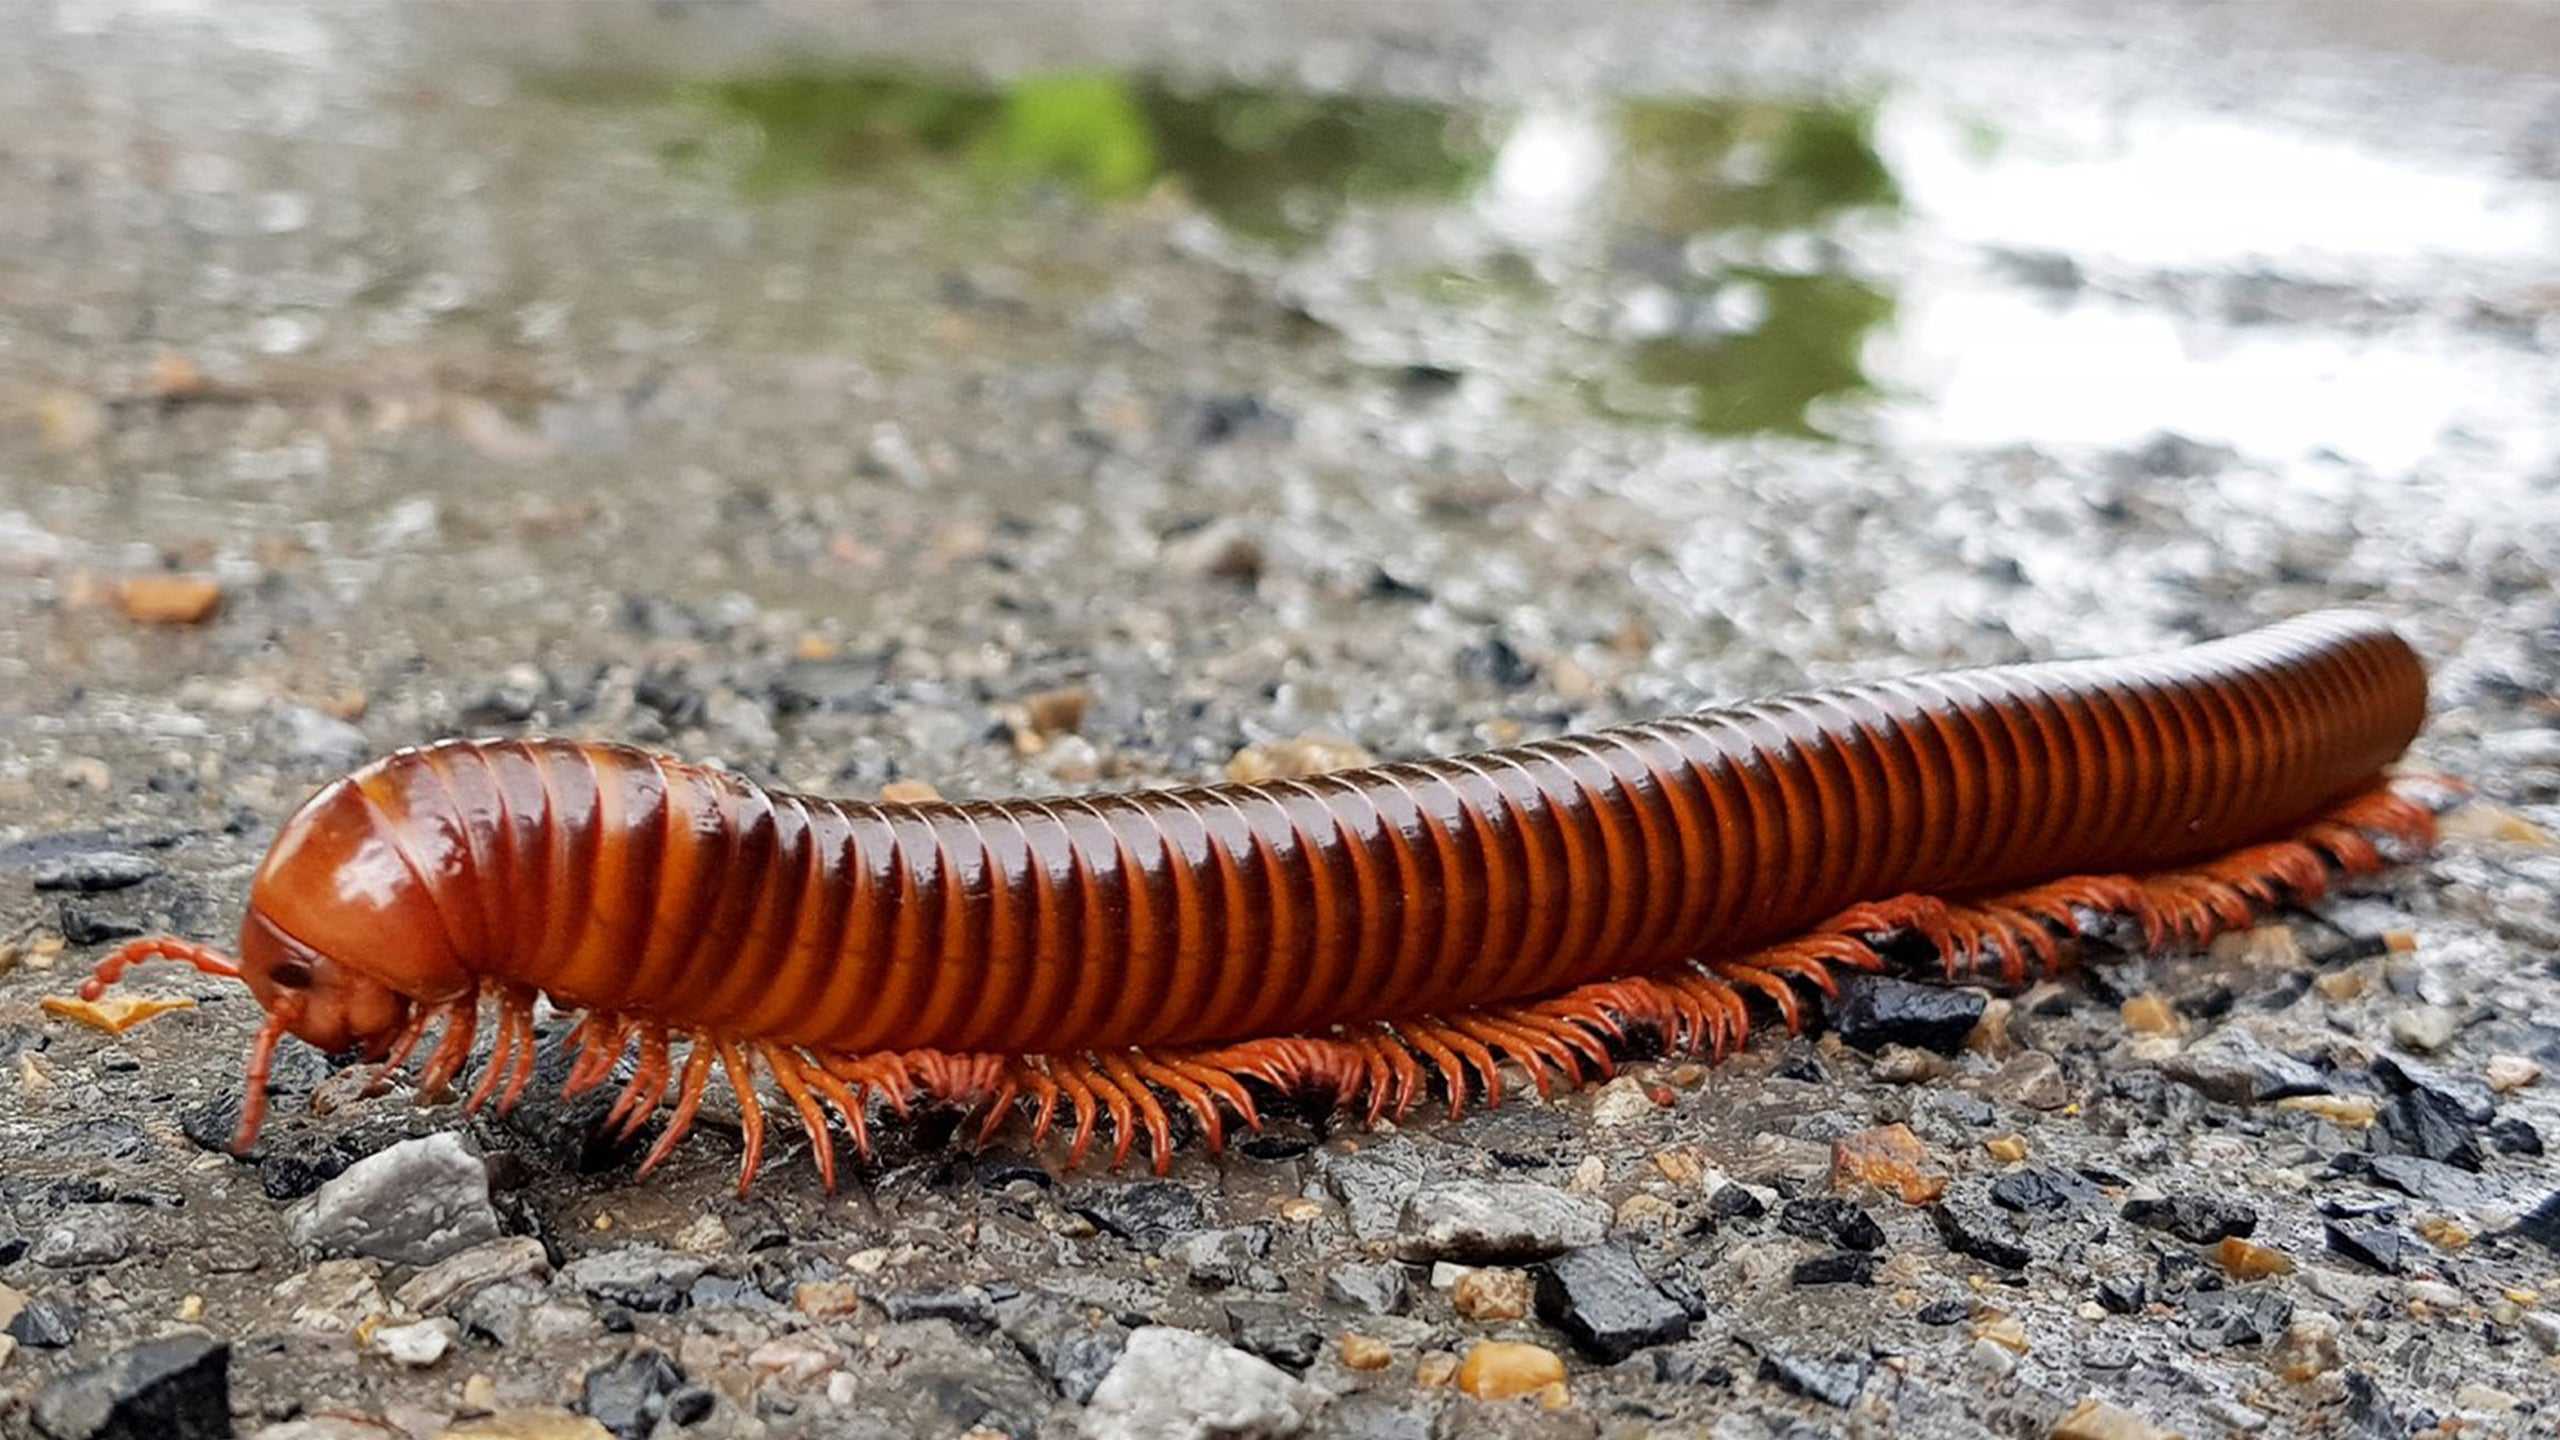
(1353, 939)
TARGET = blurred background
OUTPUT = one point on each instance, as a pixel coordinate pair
(1008, 398)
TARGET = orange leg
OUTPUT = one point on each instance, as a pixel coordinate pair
(158, 947)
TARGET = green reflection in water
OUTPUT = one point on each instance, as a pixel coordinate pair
(1766, 380)
(1702, 168)
(1271, 163)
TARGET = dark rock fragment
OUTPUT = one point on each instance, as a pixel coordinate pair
(1975, 1232)
(1147, 1213)
(2383, 1247)
(2236, 1317)
(2198, 1219)
(1601, 1299)
(2122, 1294)
(45, 1323)
(173, 1389)
(1840, 1267)
(1832, 1220)
(1275, 1332)
(629, 1395)
(1878, 1010)
(1835, 1382)
(2041, 1192)
(90, 872)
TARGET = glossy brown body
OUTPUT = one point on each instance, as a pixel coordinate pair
(612, 879)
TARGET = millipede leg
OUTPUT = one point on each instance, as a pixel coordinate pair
(262, 1059)
(1150, 1114)
(453, 1048)
(848, 1101)
(742, 1083)
(160, 947)
(697, 1075)
(420, 1017)
(813, 1121)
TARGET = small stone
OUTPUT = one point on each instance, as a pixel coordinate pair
(1835, 1382)
(2509, 1073)
(169, 599)
(2005, 1331)
(1277, 1333)
(637, 1277)
(1148, 1213)
(1606, 1305)
(2225, 1318)
(2544, 1328)
(909, 792)
(2149, 1015)
(44, 1323)
(1296, 759)
(2308, 1348)
(2422, 1029)
(793, 1360)
(1874, 1011)
(2435, 1293)
(2007, 1149)
(1174, 1385)
(303, 733)
(2379, 1246)
(1063, 1341)
(2042, 1191)
(1501, 1369)
(2095, 1419)
(2477, 1398)
(1491, 1295)
(2121, 1295)
(455, 1276)
(178, 1388)
(2443, 1232)
(2234, 1066)
(2033, 1079)
(1360, 1352)
(2352, 1112)
(1477, 1221)
(1219, 1258)
(1380, 1289)
(2343, 985)
(1989, 1037)
(1831, 1220)
(1622, 1101)
(1434, 1370)
(91, 872)
(2245, 1261)
(1990, 1358)
(2200, 1220)
(88, 1235)
(1971, 1231)
(414, 1203)
(826, 1299)
(1680, 1165)
(417, 1345)
(1909, 1065)
(1890, 1158)
(1840, 1267)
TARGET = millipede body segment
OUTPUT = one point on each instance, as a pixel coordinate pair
(1364, 934)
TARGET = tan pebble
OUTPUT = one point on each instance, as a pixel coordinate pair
(2002, 1330)
(1622, 1101)
(2007, 1149)
(480, 1393)
(1989, 1037)
(867, 1262)
(705, 1236)
(527, 1425)
(1058, 712)
(1589, 1176)
(2521, 1295)
(1553, 1396)
(909, 792)
(1688, 1077)
(1435, 1369)
(2092, 1310)
(2243, 1260)
(1491, 1294)
(2443, 1233)
(8, 1347)
(1501, 1369)
(1641, 1211)
(2308, 1349)
(1299, 1210)
(2095, 1419)
(2400, 942)
(174, 376)
(815, 645)
(2344, 985)
(2481, 820)
(1909, 1065)
(1681, 1166)
(2149, 1015)
(1295, 759)
(169, 599)
(1361, 1352)
(2511, 1072)
(191, 1309)
(1888, 1157)
(825, 1299)
(69, 419)
(2273, 947)
(2355, 1112)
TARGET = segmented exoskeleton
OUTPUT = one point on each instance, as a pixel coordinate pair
(1361, 934)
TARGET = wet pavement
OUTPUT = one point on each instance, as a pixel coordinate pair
(835, 393)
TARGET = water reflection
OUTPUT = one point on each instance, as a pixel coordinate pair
(1532, 214)
(1269, 163)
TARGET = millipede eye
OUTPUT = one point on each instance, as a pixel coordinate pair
(291, 974)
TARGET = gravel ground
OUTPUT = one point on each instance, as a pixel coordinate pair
(1093, 399)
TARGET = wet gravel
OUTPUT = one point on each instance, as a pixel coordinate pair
(444, 383)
